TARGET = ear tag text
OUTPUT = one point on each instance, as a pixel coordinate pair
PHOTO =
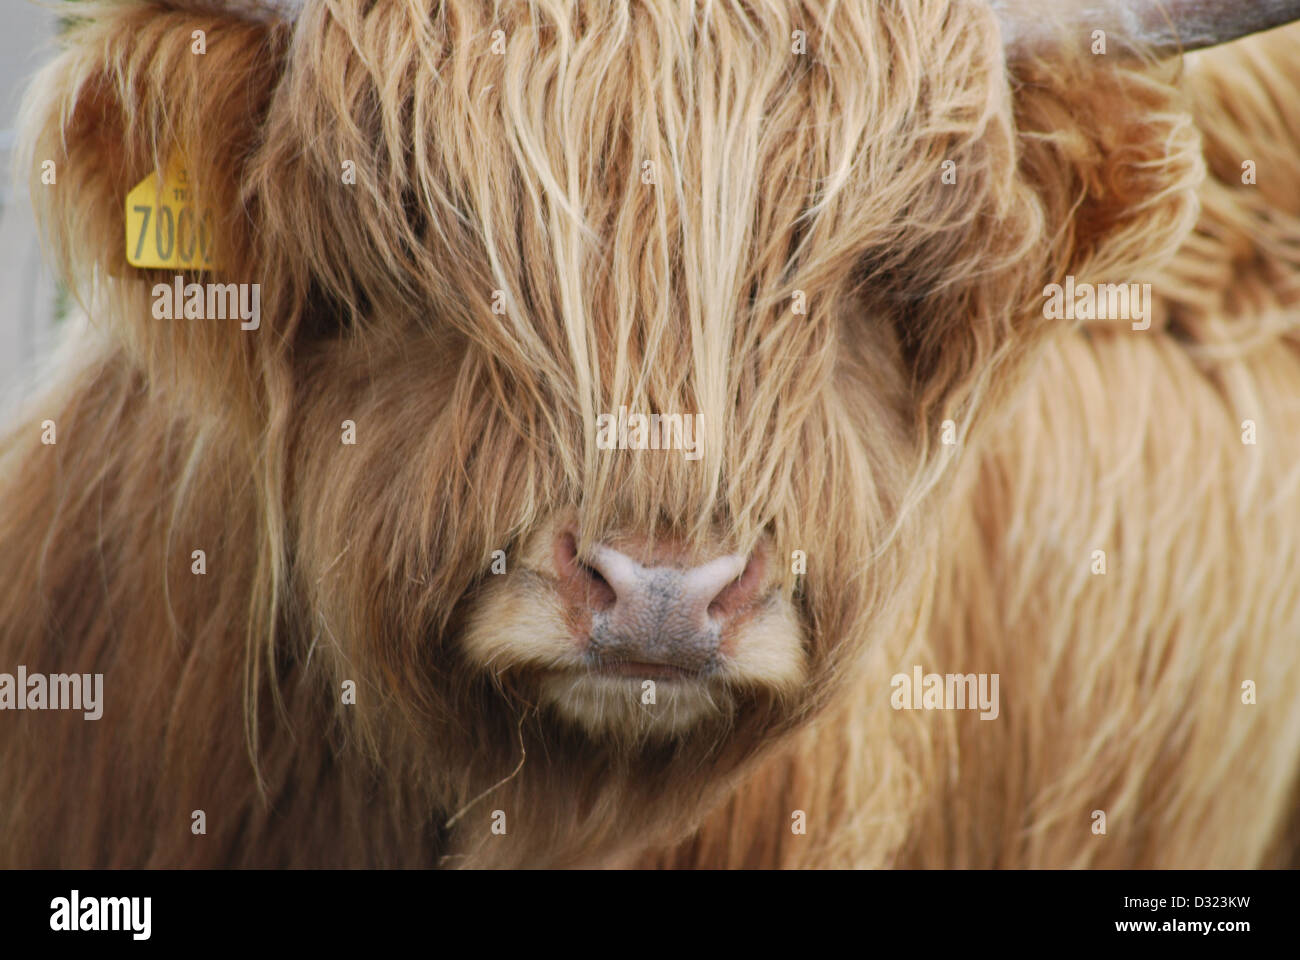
(164, 228)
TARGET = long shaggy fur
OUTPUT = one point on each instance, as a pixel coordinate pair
(525, 173)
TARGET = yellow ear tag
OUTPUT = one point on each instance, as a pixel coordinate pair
(163, 226)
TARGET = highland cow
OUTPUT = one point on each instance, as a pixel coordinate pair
(365, 590)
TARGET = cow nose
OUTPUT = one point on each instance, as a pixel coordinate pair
(666, 612)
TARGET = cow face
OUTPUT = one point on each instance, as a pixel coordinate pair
(631, 363)
(610, 354)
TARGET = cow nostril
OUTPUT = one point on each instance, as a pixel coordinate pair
(596, 590)
(739, 593)
(602, 595)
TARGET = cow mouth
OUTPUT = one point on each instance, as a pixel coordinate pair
(643, 670)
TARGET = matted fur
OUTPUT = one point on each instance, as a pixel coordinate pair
(773, 173)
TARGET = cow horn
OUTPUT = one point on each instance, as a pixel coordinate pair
(1165, 27)
(287, 10)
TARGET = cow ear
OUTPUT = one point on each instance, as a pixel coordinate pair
(143, 89)
(1113, 155)
(1088, 166)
